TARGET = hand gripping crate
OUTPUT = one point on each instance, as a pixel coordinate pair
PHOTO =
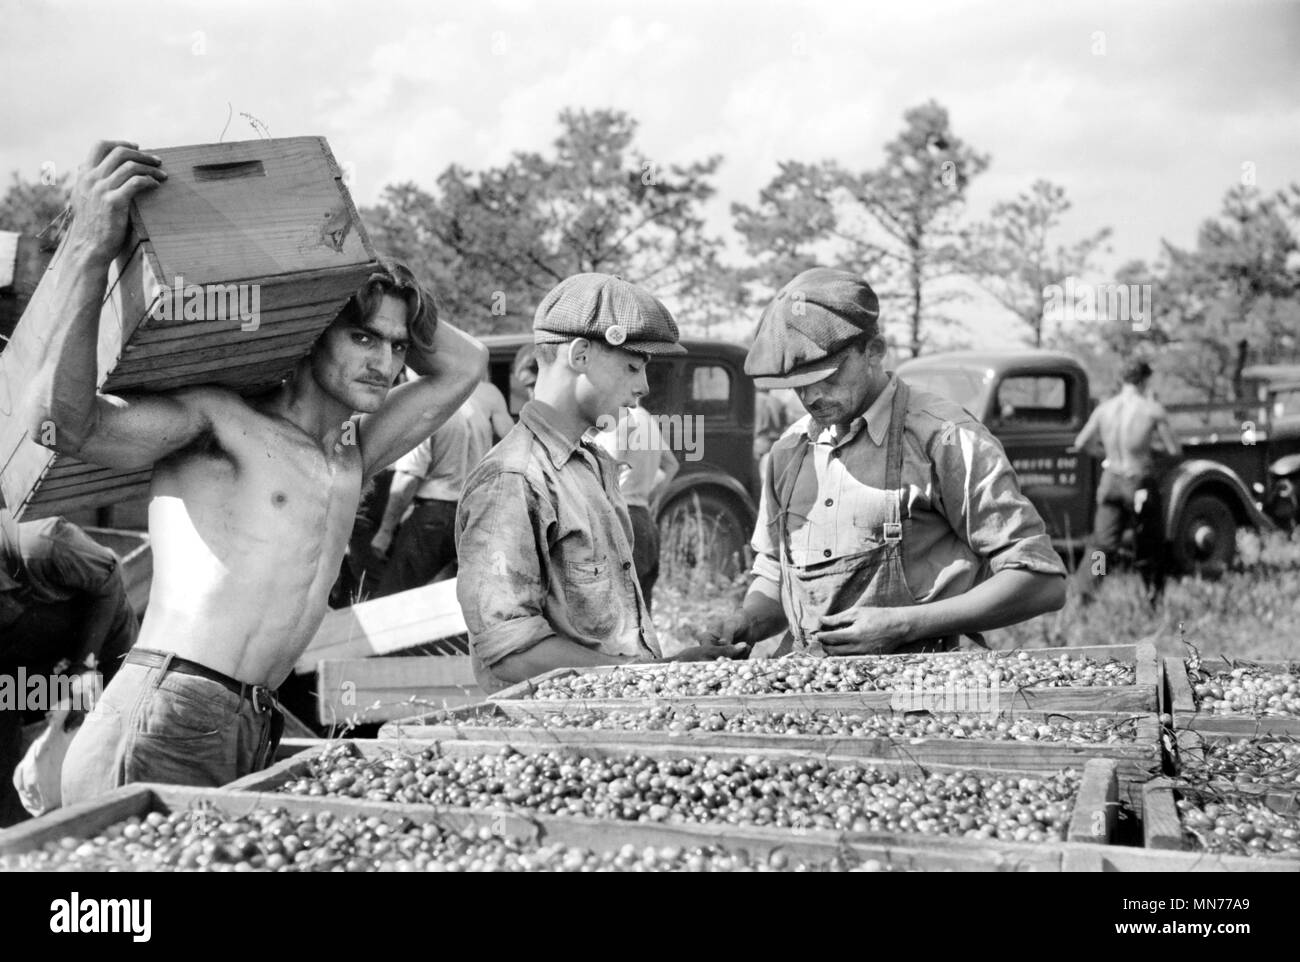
(232, 268)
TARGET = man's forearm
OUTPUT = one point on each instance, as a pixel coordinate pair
(547, 655)
(765, 615)
(62, 390)
(454, 354)
(1011, 596)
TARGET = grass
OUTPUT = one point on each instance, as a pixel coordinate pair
(1252, 611)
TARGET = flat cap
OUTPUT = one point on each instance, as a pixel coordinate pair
(606, 308)
(818, 313)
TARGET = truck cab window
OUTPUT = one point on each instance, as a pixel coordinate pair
(710, 391)
(1034, 400)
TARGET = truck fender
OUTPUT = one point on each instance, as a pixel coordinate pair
(1192, 477)
(697, 480)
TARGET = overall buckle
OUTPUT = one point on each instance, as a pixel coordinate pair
(893, 532)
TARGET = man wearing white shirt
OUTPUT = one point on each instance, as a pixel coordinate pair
(432, 476)
(646, 462)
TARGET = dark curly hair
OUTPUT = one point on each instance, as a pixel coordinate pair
(1136, 371)
(395, 279)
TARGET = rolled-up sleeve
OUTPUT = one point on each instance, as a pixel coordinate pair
(501, 585)
(980, 496)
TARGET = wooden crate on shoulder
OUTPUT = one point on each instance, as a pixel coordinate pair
(270, 218)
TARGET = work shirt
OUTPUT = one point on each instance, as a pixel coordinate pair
(445, 459)
(637, 442)
(964, 516)
(48, 562)
(544, 541)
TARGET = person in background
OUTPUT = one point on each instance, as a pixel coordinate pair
(525, 369)
(775, 409)
(647, 463)
(62, 602)
(494, 411)
(1126, 431)
(432, 476)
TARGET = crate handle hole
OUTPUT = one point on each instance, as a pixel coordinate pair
(229, 171)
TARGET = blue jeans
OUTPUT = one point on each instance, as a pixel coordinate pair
(152, 725)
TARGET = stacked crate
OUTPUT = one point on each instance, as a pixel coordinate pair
(271, 216)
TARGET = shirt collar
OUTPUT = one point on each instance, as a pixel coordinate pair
(543, 420)
(876, 420)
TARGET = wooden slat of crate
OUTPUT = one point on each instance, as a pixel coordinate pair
(1119, 858)
(284, 217)
(1093, 817)
(1136, 762)
(368, 690)
(1141, 696)
(289, 227)
(394, 623)
(1187, 718)
(596, 835)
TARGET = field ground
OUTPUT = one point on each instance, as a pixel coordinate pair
(1252, 611)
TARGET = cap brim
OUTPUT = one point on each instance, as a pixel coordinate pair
(652, 347)
(796, 379)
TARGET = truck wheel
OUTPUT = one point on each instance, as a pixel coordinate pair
(704, 530)
(1205, 539)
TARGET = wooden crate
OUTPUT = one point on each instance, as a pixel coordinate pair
(1187, 717)
(90, 818)
(1136, 762)
(270, 213)
(1138, 697)
(1192, 743)
(1093, 819)
(366, 690)
(383, 626)
(1163, 829)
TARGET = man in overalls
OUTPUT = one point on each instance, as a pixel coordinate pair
(890, 518)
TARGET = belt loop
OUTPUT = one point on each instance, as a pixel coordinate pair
(162, 670)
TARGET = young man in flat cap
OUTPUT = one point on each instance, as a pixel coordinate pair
(890, 519)
(547, 577)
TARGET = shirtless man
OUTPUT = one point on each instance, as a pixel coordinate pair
(252, 499)
(1126, 431)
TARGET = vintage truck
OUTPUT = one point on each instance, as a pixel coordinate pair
(1239, 459)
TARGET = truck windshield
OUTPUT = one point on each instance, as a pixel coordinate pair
(962, 385)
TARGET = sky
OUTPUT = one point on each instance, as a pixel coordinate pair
(1146, 112)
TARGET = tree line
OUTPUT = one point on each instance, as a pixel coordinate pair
(493, 241)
